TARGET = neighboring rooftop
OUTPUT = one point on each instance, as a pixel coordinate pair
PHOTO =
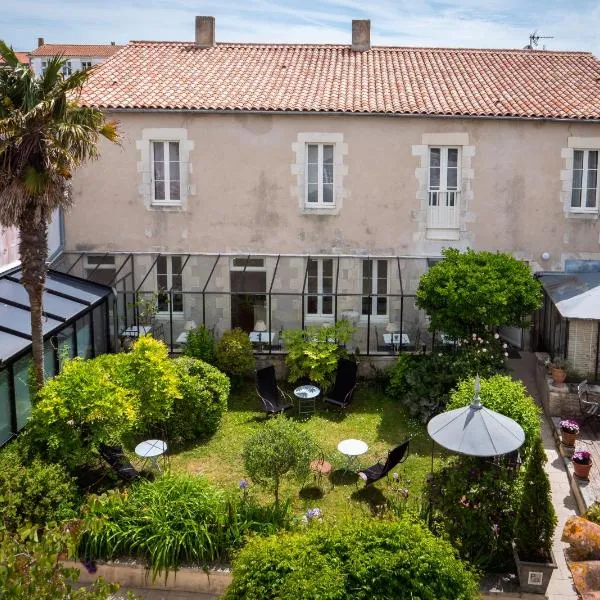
(357, 78)
(23, 58)
(100, 50)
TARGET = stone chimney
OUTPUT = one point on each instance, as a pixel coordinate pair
(40, 42)
(205, 32)
(361, 35)
(112, 43)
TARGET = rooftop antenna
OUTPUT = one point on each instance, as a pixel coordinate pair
(534, 40)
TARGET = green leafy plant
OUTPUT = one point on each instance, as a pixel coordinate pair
(33, 493)
(235, 355)
(279, 448)
(593, 513)
(173, 521)
(372, 560)
(314, 353)
(474, 503)
(506, 396)
(79, 409)
(30, 568)
(203, 394)
(200, 344)
(469, 292)
(536, 519)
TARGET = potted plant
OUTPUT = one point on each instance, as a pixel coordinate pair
(568, 431)
(534, 526)
(559, 370)
(582, 463)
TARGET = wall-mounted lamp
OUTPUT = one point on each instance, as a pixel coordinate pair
(545, 255)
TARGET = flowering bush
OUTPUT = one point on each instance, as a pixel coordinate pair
(582, 457)
(569, 426)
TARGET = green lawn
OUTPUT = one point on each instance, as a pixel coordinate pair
(372, 417)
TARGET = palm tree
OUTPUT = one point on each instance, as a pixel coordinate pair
(44, 134)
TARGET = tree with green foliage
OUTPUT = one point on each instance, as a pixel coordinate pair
(536, 519)
(278, 449)
(235, 355)
(365, 560)
(44, 135)
(469, 292)
(30, 568)
(314, 352)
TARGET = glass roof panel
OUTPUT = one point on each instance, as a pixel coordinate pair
(10, 345)
(19, 319)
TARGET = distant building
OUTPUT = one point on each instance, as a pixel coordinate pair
(22, 56)
(79, 56)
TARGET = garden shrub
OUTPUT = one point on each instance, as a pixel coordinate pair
(503, 394)
(536, 519)
(173, 521)
(423, 382)
(203, 394)
(278, 449)
(33, 493)
(30, 569)
(200, 344)
(593, 513)
(79, 409)
(474, 503)
(314, 353)
(469, 292)
(366, 560)
(235, 355)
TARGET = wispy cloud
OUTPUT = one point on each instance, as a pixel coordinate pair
(458, 23)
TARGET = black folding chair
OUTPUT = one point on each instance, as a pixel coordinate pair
(379, 470)
(118, 460)
(274, 400)
(345, 382)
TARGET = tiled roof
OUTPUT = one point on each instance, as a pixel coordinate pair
(22, 56)
(328, 78)
(104, 50)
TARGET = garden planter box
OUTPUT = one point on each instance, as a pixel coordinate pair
(210, 583)
(534, 577)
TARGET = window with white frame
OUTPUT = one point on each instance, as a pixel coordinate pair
(584, 191)
(169, 278)
(374, 287)
(67, 69)
(319, 286)
(86, 64)
(319, 175)
(166, 173)
(44, 66)
(443, 176)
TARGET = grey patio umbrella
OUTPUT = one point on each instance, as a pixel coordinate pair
(475, 430)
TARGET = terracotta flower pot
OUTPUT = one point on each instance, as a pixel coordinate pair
(558, 375)
(567, 438)
(582, 471)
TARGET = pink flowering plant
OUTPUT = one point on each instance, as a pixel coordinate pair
(569, 426)
(582, 457)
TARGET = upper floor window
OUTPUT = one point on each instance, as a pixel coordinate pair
(67, 69)
(443, 176)
(584, 191)
(375, 287)
(44, 66)
(166, 173)
(169, 278)
(86, 64)
(319, 175)
(319, 285)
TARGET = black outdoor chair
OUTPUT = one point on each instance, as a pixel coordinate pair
(118, 460)
(345, 382)
(379, 470)
(590, 409)
(273, 398)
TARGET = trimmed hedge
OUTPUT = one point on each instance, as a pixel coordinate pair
(372, 560)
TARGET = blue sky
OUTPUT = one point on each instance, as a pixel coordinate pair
(457, 23)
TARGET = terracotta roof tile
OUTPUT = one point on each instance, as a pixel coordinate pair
(22, 56)
(331, 78)
(103, 50)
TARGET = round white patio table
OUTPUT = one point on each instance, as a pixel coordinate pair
(151, 450)
(352, 449)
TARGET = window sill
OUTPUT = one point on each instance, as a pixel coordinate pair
(320, 210)
(312, 318)
(167, 206)
(582, 215)
(375, 319)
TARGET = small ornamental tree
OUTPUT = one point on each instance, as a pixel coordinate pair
(278, 449)
(200, 344)
(536, 518)
(235, 355)
(469, 292)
